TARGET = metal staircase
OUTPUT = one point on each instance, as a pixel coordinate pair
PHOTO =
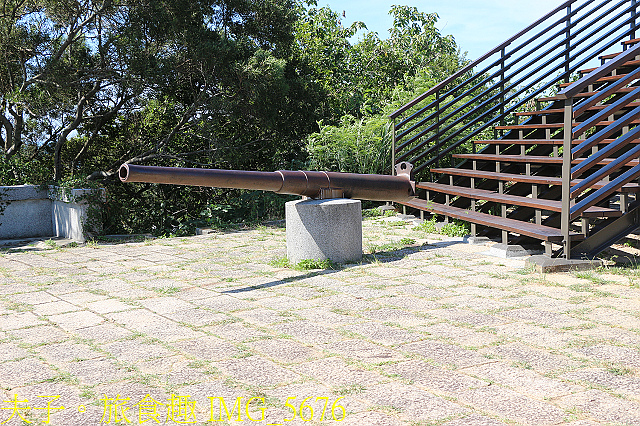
(513, 145)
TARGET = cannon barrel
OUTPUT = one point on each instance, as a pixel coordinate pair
(304, 183)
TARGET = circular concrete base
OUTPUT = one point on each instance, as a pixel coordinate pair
(324, 229)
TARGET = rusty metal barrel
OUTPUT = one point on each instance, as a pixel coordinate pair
(311, 184)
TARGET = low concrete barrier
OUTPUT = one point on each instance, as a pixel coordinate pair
(29, 211)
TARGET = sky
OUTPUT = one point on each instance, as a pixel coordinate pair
(477, 25)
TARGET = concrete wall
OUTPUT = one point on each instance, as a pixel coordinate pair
(32, 212)
(27, 212)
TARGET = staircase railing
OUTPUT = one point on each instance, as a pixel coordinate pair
(616, 154)
(484, 93)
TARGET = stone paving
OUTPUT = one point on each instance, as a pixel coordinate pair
(426, 331)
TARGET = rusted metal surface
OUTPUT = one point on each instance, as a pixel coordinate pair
(311, 184)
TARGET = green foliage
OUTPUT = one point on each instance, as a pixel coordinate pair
(378, 212)
(367, 81)
(455, 229)
(428, 226)
(452, 229)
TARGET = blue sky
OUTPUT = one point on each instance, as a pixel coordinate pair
(477, 25)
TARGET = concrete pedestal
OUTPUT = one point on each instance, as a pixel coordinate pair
(324, 229)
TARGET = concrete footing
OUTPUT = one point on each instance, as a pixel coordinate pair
(476, 240)
(324, 229)
(508, 251)
(545, 264)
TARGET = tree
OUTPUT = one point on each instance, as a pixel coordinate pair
(73, 72)
(359, 78)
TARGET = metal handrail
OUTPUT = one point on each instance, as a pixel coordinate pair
(480, 110)
(471, 65)
(514, 95)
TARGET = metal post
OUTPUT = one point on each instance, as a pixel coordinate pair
(566, 176)
(393, 147)
(634, 16)
(502, 57)
(438, 129)
(567, 76)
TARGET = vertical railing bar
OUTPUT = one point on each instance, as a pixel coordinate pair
(634, 16)
(567, 55)
(393, 146)
(566, 177)
(438, 129)
(502, 121)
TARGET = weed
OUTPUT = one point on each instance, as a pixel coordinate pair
(428, 226)
(378, 212)
(281, 262)
(307, 264)
(351, 389)
(457, 229)
(620, 370)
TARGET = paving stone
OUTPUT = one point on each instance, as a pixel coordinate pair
(75, 320)
(461, 335)
(208, 348)
(474, 420)
(544, 317)
(19, 320)
(257, 371)
(534, 335)
(224, 303)
(68, 352)
(134, 351)
(77, 410)
(237, 332)
(478, 304)
(81, 298)
(195, 293)
(603, 407)
(346, 302)
(95, 371)
(27, 370)
(373, 418)
(538, 359)
(522, 380)
(196, 317)
(512, 406)
(410, 303)
(11, 351)
(40, 334)
(433, 378)
(334, 372)
(308, 332)
(35, 298)
(324, 315)
(614, 317)
(422, 291)
(611, 334)
(103, 333)
(397, 316)
(384, 334)
(363, 351)
(622, 383)
(153, 325)
(609, 353)
(108, 305)
(54, 308)
(165, 305)
(412, 403)
(445, 354)
(284, 351)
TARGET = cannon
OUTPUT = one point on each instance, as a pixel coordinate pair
(325, 225)
(311, 184)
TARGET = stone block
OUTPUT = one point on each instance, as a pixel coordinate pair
(324, 229)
